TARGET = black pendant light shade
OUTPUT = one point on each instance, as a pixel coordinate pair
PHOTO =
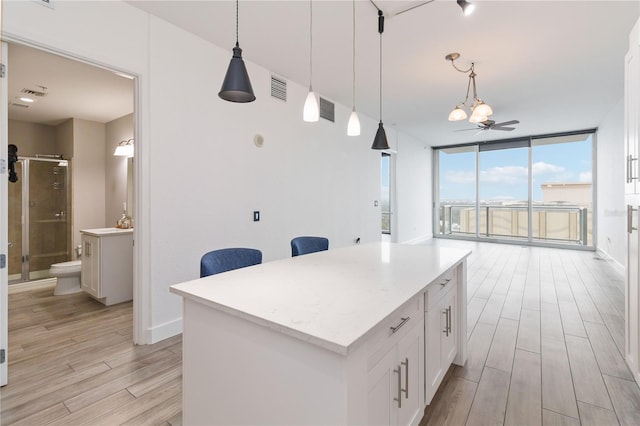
(380, 141)
(237, 86)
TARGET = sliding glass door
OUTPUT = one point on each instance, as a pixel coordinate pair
(536, 190)
(504, 190)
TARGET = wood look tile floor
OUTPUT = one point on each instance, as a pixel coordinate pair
(72, 362)
(545, 329)
(546, 342)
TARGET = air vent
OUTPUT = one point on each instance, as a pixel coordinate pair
(19, 105)
(34, 92)
(278, 88)
(327, 110)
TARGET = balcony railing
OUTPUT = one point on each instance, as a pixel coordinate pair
(564, 224)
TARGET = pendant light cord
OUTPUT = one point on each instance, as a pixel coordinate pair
(310, 42)
(237, 43)
(380, 30)
(354, 54)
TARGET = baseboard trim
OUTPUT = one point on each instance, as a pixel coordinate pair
(164, 331)
(616, 265)
(32, 285)
(418, 240)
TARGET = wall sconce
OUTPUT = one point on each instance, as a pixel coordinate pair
(124, 149)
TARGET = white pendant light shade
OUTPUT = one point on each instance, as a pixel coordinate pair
(353, 128)
(483, 109)
(457, 114)
(311, 110)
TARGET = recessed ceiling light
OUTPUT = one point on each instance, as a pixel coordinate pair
(25, 99)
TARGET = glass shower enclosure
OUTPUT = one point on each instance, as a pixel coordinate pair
(38, 218)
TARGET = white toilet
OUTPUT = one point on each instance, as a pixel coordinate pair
(68, 277)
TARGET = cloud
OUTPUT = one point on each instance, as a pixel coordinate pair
(508, 175)
(585, 177)
(541, 167)
(460, 176)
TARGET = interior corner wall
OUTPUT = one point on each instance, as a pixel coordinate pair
(88, 177)
(32, 138)
(611, 214)
(199, 174)
(116, 169)
(413, 190)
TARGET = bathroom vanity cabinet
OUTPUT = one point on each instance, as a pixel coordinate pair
(107, 264)
(335, 337)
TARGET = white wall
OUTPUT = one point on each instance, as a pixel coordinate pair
(116, 168)
(32, 138)
(87, 177)
(413, 191)
(611, 232)
(199, 176)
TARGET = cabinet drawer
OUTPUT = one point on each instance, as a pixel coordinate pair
(396, 325)
(439, 287)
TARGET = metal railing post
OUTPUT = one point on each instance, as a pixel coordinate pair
(583, 226)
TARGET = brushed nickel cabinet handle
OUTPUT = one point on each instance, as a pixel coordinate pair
(406, 377)
(399, 398)
(446, 325)
(630, 227)
(397, 327)
(449, 319)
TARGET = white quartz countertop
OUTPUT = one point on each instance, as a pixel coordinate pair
(101, 232)
(330, 298)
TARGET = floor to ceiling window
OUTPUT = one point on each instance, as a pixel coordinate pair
(536, 190)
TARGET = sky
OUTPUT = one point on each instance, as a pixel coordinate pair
(504, 173)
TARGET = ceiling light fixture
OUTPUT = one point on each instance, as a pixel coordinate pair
(236, 86)
(124, 149)
(353, 128)
(467, 8)
(480, 111)
(311, 111)
(25, 99)
(380, 141)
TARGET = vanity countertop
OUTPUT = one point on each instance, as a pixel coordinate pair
(101, 232)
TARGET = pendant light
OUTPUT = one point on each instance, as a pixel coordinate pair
(380, 141)
(311, 111)
(237, 86)
(353, 128)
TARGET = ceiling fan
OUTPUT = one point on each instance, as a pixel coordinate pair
(492, 125)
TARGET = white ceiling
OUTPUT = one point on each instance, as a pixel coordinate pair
(73, 89)
(554, 65)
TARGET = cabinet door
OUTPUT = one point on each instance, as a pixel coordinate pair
(448, 346)
(434, 326)
(90, 276)
(411, 373)
(382, 385)
(632, 114)
(632, 320)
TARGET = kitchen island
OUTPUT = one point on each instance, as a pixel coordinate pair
(356, 335)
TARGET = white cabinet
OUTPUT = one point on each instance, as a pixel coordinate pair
(107, 265)
(632, 196)
(632, 112)
(395, 382)
(441, 331)
(333, 338)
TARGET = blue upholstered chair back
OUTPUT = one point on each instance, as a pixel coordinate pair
(228, 259)
(306, 245)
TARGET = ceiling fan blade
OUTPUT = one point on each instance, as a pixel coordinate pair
(503, 128)
(464, 130)
(506, 123)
